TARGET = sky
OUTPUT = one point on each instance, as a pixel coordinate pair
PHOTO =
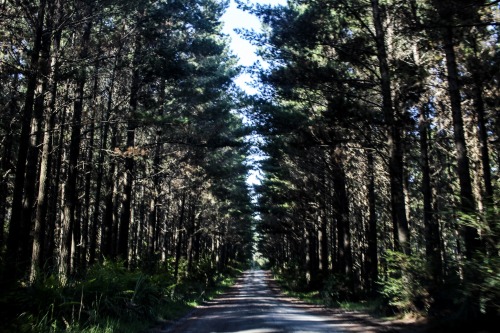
(235, 18)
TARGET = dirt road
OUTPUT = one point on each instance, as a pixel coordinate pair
(254, 305)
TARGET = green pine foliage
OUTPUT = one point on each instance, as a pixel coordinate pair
(378, 123)
(126, 117)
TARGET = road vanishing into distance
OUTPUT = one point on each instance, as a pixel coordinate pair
(254, 305)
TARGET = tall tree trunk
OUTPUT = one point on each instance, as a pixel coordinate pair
(41, 208)
(89, 230)
(6, 162)
(479, 107)
(312, 250)
(488, 200)
(36, 140)
(156, 169)
(70, 197)
(179, 238)
(126, 213)
(467, 203)
(107, 221)
(50, 74)
(18, 238)
(108, 233)
(323, 241)
(398, 207)
(342, 213)
(431, 227)
(93, 233)
(190, 237)
(372, 252)
(129, 156)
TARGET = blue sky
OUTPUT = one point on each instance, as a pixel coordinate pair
(235, 18)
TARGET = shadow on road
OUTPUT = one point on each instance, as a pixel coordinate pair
(255, 305)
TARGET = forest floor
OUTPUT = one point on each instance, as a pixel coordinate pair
(255, 304)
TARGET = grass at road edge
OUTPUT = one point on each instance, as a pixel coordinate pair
(109, 298)
(173, 311)
(371, 306)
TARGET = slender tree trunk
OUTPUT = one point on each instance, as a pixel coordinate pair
(323, 240)
(70, 190)
(89, 230)
(18, 239)
(108, 244)
(179, 238)
(6, 164)
(41, 208)
(312, 249)
(398, 207)
(156, 169)
(431, 227)
(333, 230)
(467, 202)
(190, 237)
(126, 213)
(53, 213)
(342, 212)
(477, 91)
(129, 158)
(492, 239)
(488, 199)
(36, 140)
(50, 76)
(106, 226)
(372, 255)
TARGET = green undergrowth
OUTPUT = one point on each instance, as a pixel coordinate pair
(314, 297)
(328, 295)
(109, 298)
(404, 295)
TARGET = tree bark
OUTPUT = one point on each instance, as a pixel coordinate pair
(479, 107)
(89, 231)
(18, 239)
(107, 221)
(70, 197)
(446, 11)
(467, 203)
(129, 166)
(6, 161)
(431, 227)
(341, 201)
(179, 238)
(156, 178)
(50, 75)
(372, 254)
(398, 207)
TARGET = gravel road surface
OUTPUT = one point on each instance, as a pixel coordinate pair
(254, 305)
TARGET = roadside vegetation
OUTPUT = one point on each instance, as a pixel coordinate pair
(109, 298)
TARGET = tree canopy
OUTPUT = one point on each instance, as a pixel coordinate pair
(379, 121)
(125, 142)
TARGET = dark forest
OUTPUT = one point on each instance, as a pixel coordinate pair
(125, 144)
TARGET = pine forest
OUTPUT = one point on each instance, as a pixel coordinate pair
(125, 148)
